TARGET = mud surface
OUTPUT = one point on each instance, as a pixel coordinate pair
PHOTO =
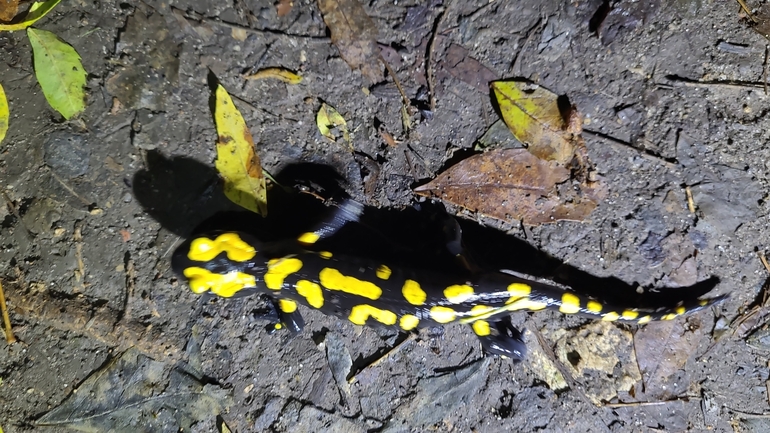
(96, 207)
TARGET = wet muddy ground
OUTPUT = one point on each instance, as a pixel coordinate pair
(673, 106)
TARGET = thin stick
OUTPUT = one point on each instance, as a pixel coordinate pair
(762, 257)
(746, 10)
(392, 73)
(690, 201)
(429, 57)
(764, 68)
(685, 82)
(384, 356)
(6, 320)
(749, 414)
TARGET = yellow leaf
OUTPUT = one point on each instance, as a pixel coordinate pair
(533, 115)
(328, 118)
(5, 114)
(237, 161)
(36, 11)
(59, 72)
(282, 74)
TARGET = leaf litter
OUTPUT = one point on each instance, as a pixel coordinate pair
(551, 180)
(138, 388)
(237, 161)
(354, 34)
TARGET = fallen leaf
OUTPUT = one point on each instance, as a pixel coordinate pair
(462, 66)
(36, 11)
(662, 350)
(59, 72)
(512, 184)
(8, 9)
(282, 74)
(237, 162)
(283, 7)
(5, 113)
(134, 393)
(534, 116)
(354, 34)
(328, 117)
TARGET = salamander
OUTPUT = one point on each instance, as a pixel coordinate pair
(366, 292)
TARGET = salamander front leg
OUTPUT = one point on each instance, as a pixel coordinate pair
(282, 314)
(502, 340)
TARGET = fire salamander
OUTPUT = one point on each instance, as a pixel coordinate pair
(231, 264)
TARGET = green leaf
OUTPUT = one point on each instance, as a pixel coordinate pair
(59, 72)
(5, 114)
(36, 11)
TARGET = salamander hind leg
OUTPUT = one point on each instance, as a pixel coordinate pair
(501, 338)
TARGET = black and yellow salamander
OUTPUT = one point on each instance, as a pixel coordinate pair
(230, 264)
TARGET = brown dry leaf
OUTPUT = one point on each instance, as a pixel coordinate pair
(8, 9)
(662, 350)
(354, 34)
(462, 66)
(283, 7)
(537, 118)
(513, 184)
(282, 74)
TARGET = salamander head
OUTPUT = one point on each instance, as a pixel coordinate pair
(225, 263)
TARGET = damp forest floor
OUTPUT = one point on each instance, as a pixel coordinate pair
(675, 119)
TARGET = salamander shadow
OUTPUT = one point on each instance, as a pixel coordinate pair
(185, 197)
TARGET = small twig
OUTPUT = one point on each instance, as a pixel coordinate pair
(70, 190)
(647, 403)
(764, 67)
(686, 82)
(620, 144)
(762, 258)
(745, 8)
(404, 98)
(429, 58)
(6, 320)
(748, 414)
(80, 273)
(690, 201)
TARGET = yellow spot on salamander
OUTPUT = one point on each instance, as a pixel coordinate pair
(519, 290)
(279, 269)
(629, 314)
(225, 285)
(594, 307)
(481, 328)
(644, 320)
(332, 279)
(311, 291)
(287, 306)
(670, 316)
(570, 304)
(408, 322)
(278, 326)
(459, 293)
(325, 254)
(205, 249)
(383, 272)
(703, 303)
(413, 293)
(360, 313)
(443, 314)
(309, 238)
(611, 317)
(680, 310)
